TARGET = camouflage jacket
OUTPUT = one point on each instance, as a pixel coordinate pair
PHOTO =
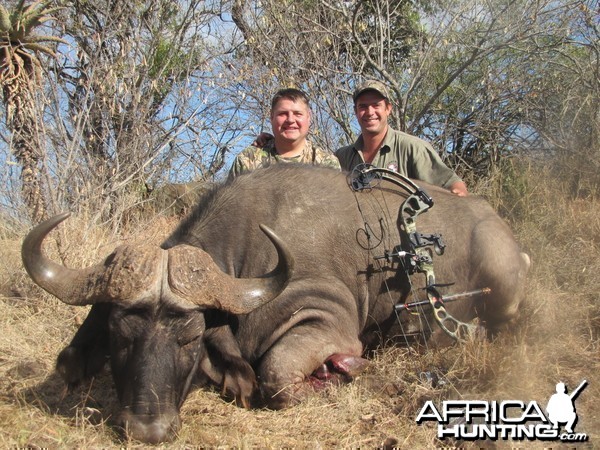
(254, 157)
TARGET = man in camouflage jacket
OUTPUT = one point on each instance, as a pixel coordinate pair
(290, 121)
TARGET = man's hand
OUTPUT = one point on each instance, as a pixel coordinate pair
(459, 188)
(262, 139)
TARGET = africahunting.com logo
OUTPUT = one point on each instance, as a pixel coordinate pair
(509, 419)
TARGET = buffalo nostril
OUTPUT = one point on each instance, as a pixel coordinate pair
(150, 429)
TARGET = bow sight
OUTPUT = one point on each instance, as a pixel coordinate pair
(416, 257)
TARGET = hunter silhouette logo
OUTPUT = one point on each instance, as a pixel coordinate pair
(508, 419)
(561, 406)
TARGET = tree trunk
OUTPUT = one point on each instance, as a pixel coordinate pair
(22, 123)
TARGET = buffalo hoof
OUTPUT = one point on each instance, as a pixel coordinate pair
(239, 382)
(150, 429)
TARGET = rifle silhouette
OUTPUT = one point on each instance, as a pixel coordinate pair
(578, 389)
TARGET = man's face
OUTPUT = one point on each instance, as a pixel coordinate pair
(372, 112)
(290, 120)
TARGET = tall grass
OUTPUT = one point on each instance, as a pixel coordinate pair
(555, 340)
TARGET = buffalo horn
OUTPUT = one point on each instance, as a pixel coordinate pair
(127, 274)
(193, 276)
(132, 273)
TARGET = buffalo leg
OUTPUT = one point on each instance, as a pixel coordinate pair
(89, 350)
(226, 367)
(500, 309)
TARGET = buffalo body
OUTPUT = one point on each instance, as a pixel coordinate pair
(337, 301)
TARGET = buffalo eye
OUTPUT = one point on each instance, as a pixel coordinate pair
(190, 332)
(128, 324)
(188, 326)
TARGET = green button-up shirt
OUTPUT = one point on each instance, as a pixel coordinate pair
(403, 153)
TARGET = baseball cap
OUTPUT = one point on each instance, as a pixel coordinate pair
(372, 85)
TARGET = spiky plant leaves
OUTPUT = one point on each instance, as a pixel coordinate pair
(5, 23)
(20, 70)
(19, 44)
(17, 25)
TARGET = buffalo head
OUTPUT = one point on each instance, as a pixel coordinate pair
(148, 316)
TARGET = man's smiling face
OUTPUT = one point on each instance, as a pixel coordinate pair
(290, 120)
(372, 112)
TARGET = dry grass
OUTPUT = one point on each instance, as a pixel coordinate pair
(556, 340)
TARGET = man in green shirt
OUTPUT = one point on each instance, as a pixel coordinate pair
(290, 121)
(382, 146)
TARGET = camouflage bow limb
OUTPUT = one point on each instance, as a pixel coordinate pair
(417, 202)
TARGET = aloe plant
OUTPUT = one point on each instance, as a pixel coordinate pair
(20, 73)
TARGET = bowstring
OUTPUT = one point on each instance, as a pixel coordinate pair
(385, 218)
(422, 315)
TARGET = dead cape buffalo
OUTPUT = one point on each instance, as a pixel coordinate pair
(158, 313)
